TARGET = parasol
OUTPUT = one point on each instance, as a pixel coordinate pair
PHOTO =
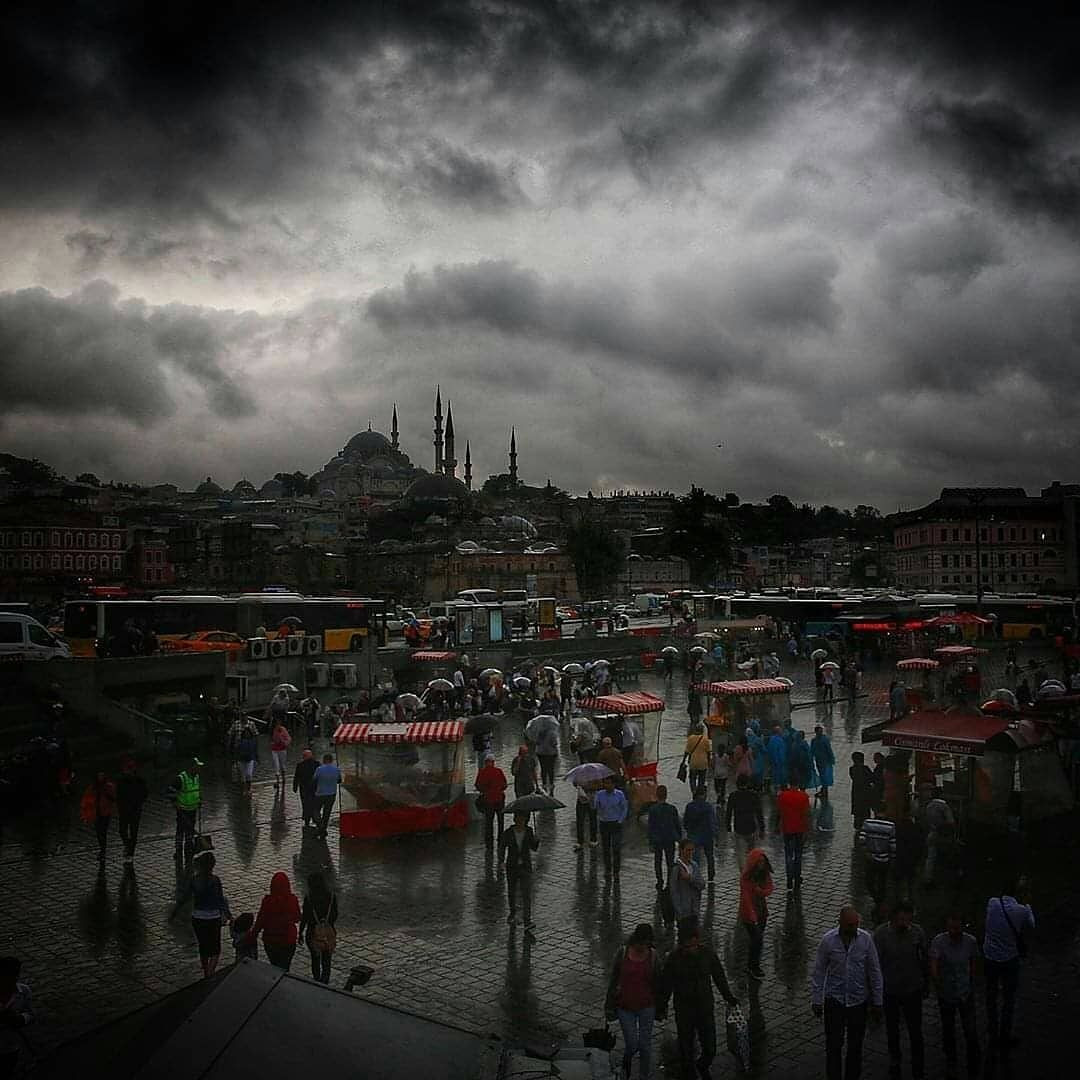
(573, 668)
(669, 650)
(440, 684)
(285, 688)
(698, 650)
(819, 654)
(408, 701)
(588, 773)
(521, 682)
(491, 673)
(832, 665)
(529, 804)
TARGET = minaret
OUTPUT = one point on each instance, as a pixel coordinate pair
(513, 458)
(468, 466)
(449, 461)
(438, 430)
(394, 431)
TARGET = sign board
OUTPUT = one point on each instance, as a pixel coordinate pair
(531, 585)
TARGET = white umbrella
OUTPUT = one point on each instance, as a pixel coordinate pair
(819, 654)
(785, 680)
(522, 683)
(669, 650)
(539, 724)
(552, 670)
(440, 684)
(491, 673)
(746, 665)
(573, 668)
(601, 663)
(285, 688)
(698, 650)
(831, 664)
(588, 773)
(1007, 696)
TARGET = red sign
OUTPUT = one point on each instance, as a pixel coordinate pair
(874, 627)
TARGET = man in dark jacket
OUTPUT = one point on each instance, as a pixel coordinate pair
(863, 793)
(689, 974)
(303, 783)
(699, 821)
(516, 846)
(745, 817)
(665, 831)
(131, 793)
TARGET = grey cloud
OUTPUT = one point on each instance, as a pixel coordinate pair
(952, 247)
(450, 174)
(90, 247)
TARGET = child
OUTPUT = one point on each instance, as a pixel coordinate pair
(241, 927)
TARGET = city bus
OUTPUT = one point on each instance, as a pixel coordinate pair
(342, 621)
(1018, 618)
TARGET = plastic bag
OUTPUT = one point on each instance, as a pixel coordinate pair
(738, 1036)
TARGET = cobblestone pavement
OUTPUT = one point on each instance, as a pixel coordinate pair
(429, 913)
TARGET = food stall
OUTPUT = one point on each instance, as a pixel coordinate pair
(918, 696)
(735, 702)
(401, 778)
(637, 714)
(960, 669)
(434, 664)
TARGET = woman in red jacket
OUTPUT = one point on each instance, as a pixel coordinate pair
(278, 916)
(755, 884)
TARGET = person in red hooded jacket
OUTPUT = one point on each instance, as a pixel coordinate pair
(279, 914)
(755, 884)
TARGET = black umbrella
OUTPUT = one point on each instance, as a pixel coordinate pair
(480, 725)
(530, 804)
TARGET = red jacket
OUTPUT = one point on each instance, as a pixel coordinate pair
(794, 807)
(491, 783)
(753, 889)
(279, 913)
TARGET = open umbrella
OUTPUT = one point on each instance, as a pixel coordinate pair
(785, 680)
(588, 773)
(746, 665)
(995, 706)
(669, 650)
(408, 701)
(601, 663)
(286, 688)
(819, 654)
(530, 804)
(1006, 695)
(1050, 688)
(521, 682)
(832, 665)
(548, 669)
(292, 620)
(698, 650)
(573, 668)
(491, 673)
(539, 724)
(440, 684)
(480, 725)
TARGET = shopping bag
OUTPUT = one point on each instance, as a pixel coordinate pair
(738, 1036)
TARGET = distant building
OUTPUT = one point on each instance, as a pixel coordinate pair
(661, 573)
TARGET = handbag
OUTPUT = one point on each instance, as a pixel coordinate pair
(682, 773)
(1021, 944)
(738, 1036)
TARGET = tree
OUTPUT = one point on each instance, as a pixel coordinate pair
(26, 472)
(699, 533)
(295, 484)
(88, 478)
(598, 556)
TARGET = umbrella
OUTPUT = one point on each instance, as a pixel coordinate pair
(1006, 695)
(491, 673)
(819, 654)
(746, 665)
(785, 680)
(1050, 688)
(552, 670)
(573, 669)
(440, 684)
(408, 701)
(480, 725)
(669, 650)
(699, 650)
(964, 618)
(292, 620)
(538, 724)
(588, 773)
(286, 688)
(601, 663)
(996, 706)
(522, 683)
(529, 804)
(831, 664)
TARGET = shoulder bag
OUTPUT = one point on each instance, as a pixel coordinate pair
(1021, 944)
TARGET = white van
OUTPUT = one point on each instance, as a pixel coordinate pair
(22, 636)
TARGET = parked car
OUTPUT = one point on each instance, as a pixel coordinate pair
(206, 641)
(23, 636)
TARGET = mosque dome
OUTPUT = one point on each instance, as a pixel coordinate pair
(367, 444)
(208, 487)
(436, 487)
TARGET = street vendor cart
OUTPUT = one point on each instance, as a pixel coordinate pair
(960, 669)
(918, 696)
(632, 720)
(735, 702)
(401, 778)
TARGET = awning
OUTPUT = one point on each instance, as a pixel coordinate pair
(918, 663)
(627, 704)
(959, 731)
(425, 731)
(745, 686)
(951, 651)
(434, 656)
(963, 618)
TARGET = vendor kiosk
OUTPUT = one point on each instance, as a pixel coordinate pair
(734, 703)
(401, 778)
(638, 714)
(924, 694)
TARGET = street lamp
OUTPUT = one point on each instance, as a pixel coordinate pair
(976, 501)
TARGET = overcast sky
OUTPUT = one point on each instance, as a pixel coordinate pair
(840, 241)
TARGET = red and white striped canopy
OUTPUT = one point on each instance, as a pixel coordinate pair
(628, 703)
(426, 731)
(959, 650)
(917, 663)
(434, 656)
(745, 686)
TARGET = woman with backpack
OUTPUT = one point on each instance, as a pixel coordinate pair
(632, 996)
(247, 754)
(317, 926)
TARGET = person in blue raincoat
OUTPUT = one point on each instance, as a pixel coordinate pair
(777, 750)
(824, 759)
(757, 747)
(800, 764)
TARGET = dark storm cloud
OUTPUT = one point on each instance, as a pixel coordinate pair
(452, 175)
(954, 248)
(89, 353)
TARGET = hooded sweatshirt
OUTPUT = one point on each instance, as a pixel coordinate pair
(753, 889)
(279, 913)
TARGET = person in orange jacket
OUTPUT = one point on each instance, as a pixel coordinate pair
(755, 885)
(97, 809)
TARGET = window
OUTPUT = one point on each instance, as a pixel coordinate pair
(54, 539)
(1012, 534)
(983, 534)
(104, 539)
(967, 536)
(955, 535)
(67, 562)
(1013, 578)
(39, 562)
(67, 539)
(10, 633)
(91, 540)
(54, 562)
(1001, 535)
(1034, 558)
(116, 562)
(91, 561)
(39, 539)
(39, 635)
(983, 560)
(26, 562)
(969, 561)
(943, 535)
(80, 562)
(1001, 559)
(79, 540)
(967, 579)
(25, 539)
(1012, 559)
(1023, 534)
(116, 540)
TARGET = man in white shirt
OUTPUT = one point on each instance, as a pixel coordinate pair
(845, 984)
(1006, 920)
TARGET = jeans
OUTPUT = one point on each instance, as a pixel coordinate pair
(611, 842)
(547, 770)
(793, 847)
(280, 955)
(325, 807)
(585, 813)
(911, 1005)
(877, 878)
(844, 1022)
(697, 779)
(1007, 976)
(744, 844)
(128, 826)
(185, 830)
(663, 853)
(519, 885)
(101, 827)
(756, 933)
(966, 1010)
(320, 965)
(708, 850)
(637, 1038)
(491, 815)
(695, 1020)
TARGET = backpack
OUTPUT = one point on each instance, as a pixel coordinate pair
(323, 935)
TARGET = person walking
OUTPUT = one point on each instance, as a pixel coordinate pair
(491, 783)
(952, 968)
(828, 681)
(327, 779)
(585, 813)
(280, 740)
(525, 770)
(16, 1013)
(696, 756)
(247, 755)
(878, 839)
(755, 887)
(897, 700)
(862, 789)
(910, 849)
(516, 846)
(277, 919)
(846, 983)
(131, 794)
(97, 809)
(744, 818)
(687, 882)
(309, 710)
(318, 920)
(303, 784)
(665, 831)
(793, 805)
(905, 971)
(1007, 917)
(699, 823)
(612, 810)
(188, 793)
(631, 997)
(612, 757)
(824, 760)
(547, 751)
(777, 750)
(688, 976)
(584, 739)
(722, 770)
(800, 768)
(209, 910)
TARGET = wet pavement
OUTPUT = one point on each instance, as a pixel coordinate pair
(429, 912)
